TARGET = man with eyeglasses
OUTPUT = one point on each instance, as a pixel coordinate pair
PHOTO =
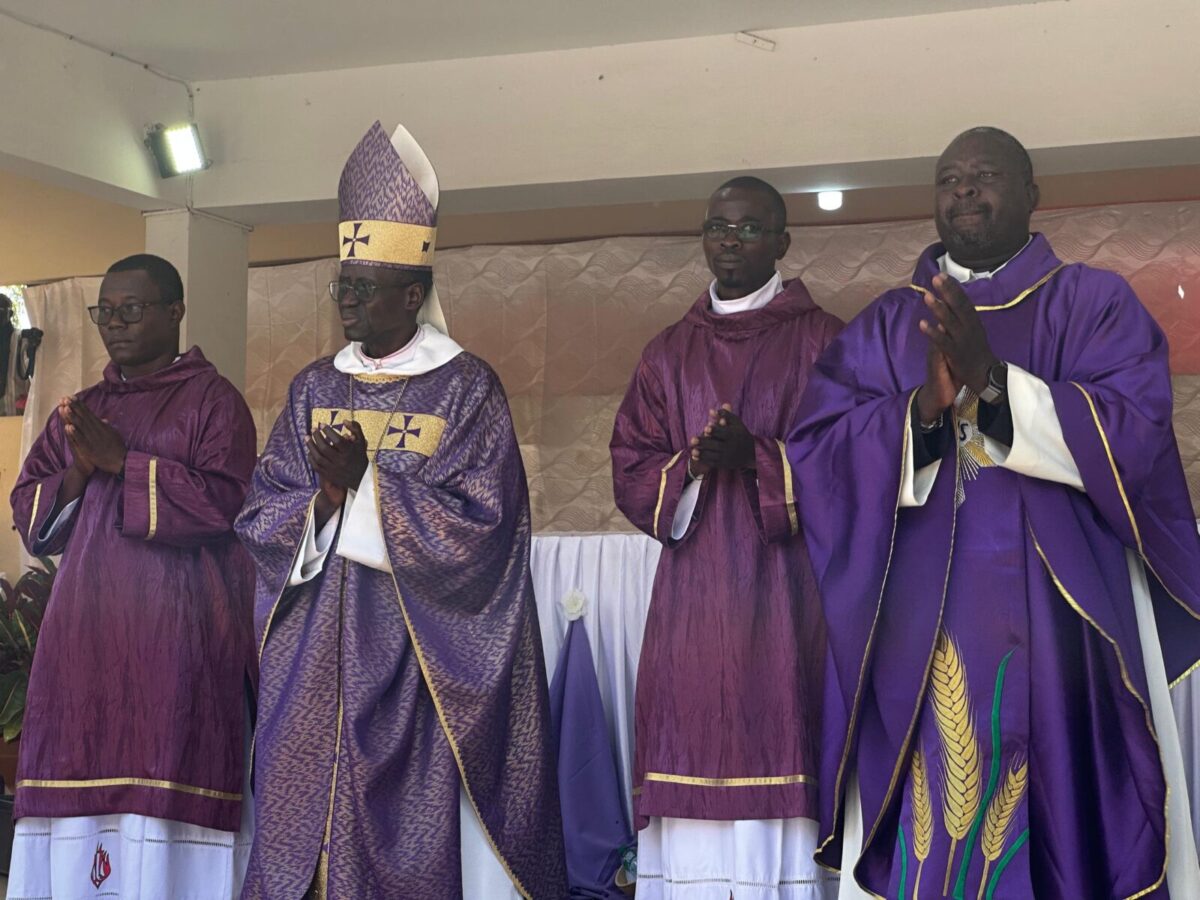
(729, 682)
(403, 746)
(131, 775)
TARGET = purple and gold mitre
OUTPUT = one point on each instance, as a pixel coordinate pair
(387, 200)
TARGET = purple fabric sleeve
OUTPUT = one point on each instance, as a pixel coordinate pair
(34, 497)
(649, 474)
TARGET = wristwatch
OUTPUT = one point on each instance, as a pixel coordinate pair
(997, 384)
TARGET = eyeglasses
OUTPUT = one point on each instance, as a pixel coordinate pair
(747, 232)
(363, 289)
(129, 313)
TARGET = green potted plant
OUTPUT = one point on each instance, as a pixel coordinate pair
(22, 606)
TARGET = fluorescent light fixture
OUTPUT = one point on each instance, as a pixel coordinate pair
(829, 200)
(177, 149)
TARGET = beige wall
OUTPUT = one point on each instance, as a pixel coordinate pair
(1086, 73)
(49, 232)
(851, 104)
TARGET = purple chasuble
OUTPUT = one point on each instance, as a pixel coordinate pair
(729, 682)
(986, 681)
(381, 694)
(136, 699)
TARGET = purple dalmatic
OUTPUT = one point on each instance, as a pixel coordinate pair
(729, 682)
(137, 695)
(383, 693)
(986, 684)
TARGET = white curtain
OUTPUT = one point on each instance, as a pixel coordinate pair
(614, 573)
(71, 356)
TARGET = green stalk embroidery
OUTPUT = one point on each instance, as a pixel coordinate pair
(960, 884)
(1004, 861)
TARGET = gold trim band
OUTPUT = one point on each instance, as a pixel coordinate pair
(788, 490)
(371, 240)
(756, 781)
(662, 489)
(413, 432)
(903, 757)
(153, 499)
(852, 724)
(1128, 683)
(130, 782)
(37, 500)
(1011, 303)
(435, 696)
(1137, 534)
(1182, 678)
(1112, 462)
(262, 644)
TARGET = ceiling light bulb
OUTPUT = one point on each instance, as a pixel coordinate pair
(177, 149)
(829, 200)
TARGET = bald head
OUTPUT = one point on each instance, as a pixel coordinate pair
(984, 196)
(1002, 142)
(748, 184)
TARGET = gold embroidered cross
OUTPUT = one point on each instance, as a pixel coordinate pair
(355, 239)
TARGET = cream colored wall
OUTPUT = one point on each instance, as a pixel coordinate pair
(48, 232)
(1060, 75)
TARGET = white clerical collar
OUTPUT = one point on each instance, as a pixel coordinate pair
(962, 274)
(167, 366)
(757, 300)
(428, 350)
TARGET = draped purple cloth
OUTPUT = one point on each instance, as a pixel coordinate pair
(136, 698)
(594, 822)
(1016, 606)
(380, 694)
(729, 682)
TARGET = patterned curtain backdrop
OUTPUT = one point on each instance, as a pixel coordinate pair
(564, 324)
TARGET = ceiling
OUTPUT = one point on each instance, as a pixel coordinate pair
(218, 39)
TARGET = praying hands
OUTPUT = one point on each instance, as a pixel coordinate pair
(340, 461)
(726, 443)
(94, 443)
(959, 352)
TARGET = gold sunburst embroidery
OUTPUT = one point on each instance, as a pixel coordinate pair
(973, 454)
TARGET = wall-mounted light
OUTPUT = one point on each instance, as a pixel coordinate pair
(829, 200)
(177, 149)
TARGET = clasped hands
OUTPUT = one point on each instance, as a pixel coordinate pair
(725, 443)
(94, 443)
(959, 353)
(339, 457)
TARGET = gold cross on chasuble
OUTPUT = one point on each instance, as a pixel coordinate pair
(415, 432)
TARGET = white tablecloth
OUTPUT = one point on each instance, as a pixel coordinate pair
(615, 572)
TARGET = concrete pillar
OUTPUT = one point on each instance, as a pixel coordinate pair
(212, 257)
